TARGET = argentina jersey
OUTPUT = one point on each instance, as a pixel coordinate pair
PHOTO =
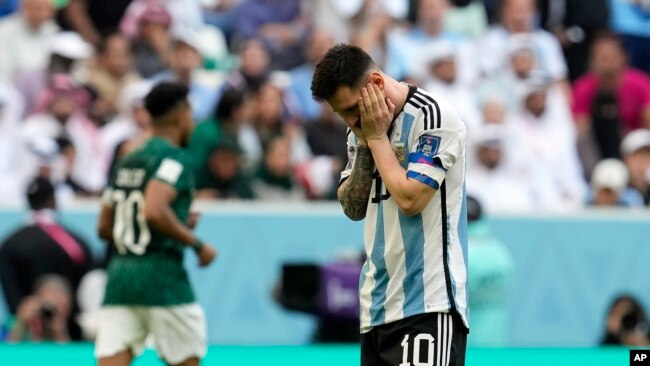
(417, 264)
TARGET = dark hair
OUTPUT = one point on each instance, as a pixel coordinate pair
(474, 209)
(231, 99)
(40, 194)
(103, 42)
(164, 97)
(608, 36)
(342, 65)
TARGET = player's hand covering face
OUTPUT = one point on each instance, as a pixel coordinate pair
(376, 112)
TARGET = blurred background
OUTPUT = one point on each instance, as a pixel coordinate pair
(555, 95)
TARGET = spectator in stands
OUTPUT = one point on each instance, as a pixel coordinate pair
(492, 177)
(24, 38)
(308, 109)
(375, 29)
(227, 179)
(546, 132)
(612, 99)
(184, 63)
(230, 121)
(62, 115)
(426, 32)
(46, 314)
(273, 119)
(627, 323)
(185, 15)
(41, 247)
(631, 19)
(112, 70)
(278, 24)
(490, 275)
(517, 18)
(67, 50)
(609, 186)
(94, 19)
(274, 179)
(635, 149)
(153, 41)
(254, 67)
(442, 80)
(575, 24)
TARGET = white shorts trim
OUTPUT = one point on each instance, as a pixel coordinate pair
(178, 332)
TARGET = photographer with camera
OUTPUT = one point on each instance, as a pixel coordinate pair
(44, 315)
(627, 324)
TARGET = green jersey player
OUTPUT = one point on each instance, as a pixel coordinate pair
(146, 214)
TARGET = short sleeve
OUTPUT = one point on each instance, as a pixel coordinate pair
(352, 152)
(176, 172)
(434, 150)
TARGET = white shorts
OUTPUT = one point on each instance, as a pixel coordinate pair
(178, 332)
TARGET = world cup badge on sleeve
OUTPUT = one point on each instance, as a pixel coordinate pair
(399, 149)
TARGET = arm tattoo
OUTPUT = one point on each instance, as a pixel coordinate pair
(355, 191)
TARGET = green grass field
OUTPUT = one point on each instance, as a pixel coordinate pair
(316, 355)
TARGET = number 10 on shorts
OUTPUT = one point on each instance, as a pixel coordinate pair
(420, 340)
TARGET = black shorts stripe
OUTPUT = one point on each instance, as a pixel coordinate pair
(445, 245)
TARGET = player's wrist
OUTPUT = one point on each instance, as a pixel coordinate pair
(197, 245)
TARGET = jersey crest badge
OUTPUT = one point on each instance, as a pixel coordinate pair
(400, 150)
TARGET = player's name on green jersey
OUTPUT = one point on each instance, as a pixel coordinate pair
(131, 178)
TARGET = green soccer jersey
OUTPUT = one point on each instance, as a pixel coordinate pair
(148, 267)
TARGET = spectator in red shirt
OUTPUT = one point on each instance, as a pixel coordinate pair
(612, 99)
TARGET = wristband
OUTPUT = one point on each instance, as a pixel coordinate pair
(197, 245)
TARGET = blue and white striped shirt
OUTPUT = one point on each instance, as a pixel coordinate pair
(418, 264)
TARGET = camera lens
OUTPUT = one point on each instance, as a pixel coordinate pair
(47, 311)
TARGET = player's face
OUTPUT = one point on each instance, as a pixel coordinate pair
(344, 103)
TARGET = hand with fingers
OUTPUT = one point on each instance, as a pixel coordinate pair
(376, 112)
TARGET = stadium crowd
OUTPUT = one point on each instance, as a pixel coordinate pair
(555, 95)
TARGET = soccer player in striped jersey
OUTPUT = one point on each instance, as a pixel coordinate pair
(406, 177)
(146, 214)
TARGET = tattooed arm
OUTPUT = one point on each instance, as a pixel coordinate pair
(355, 191)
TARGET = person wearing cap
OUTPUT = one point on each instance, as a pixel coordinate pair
(61, 114)
(635, 150)
(517, 17)
(24, 38)
(66, 51)
(609, 186)
(492, 176)
(152, 43)
(442, 79)
(429, 28)
(490, 278)
(544, 130)
(42, 246)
